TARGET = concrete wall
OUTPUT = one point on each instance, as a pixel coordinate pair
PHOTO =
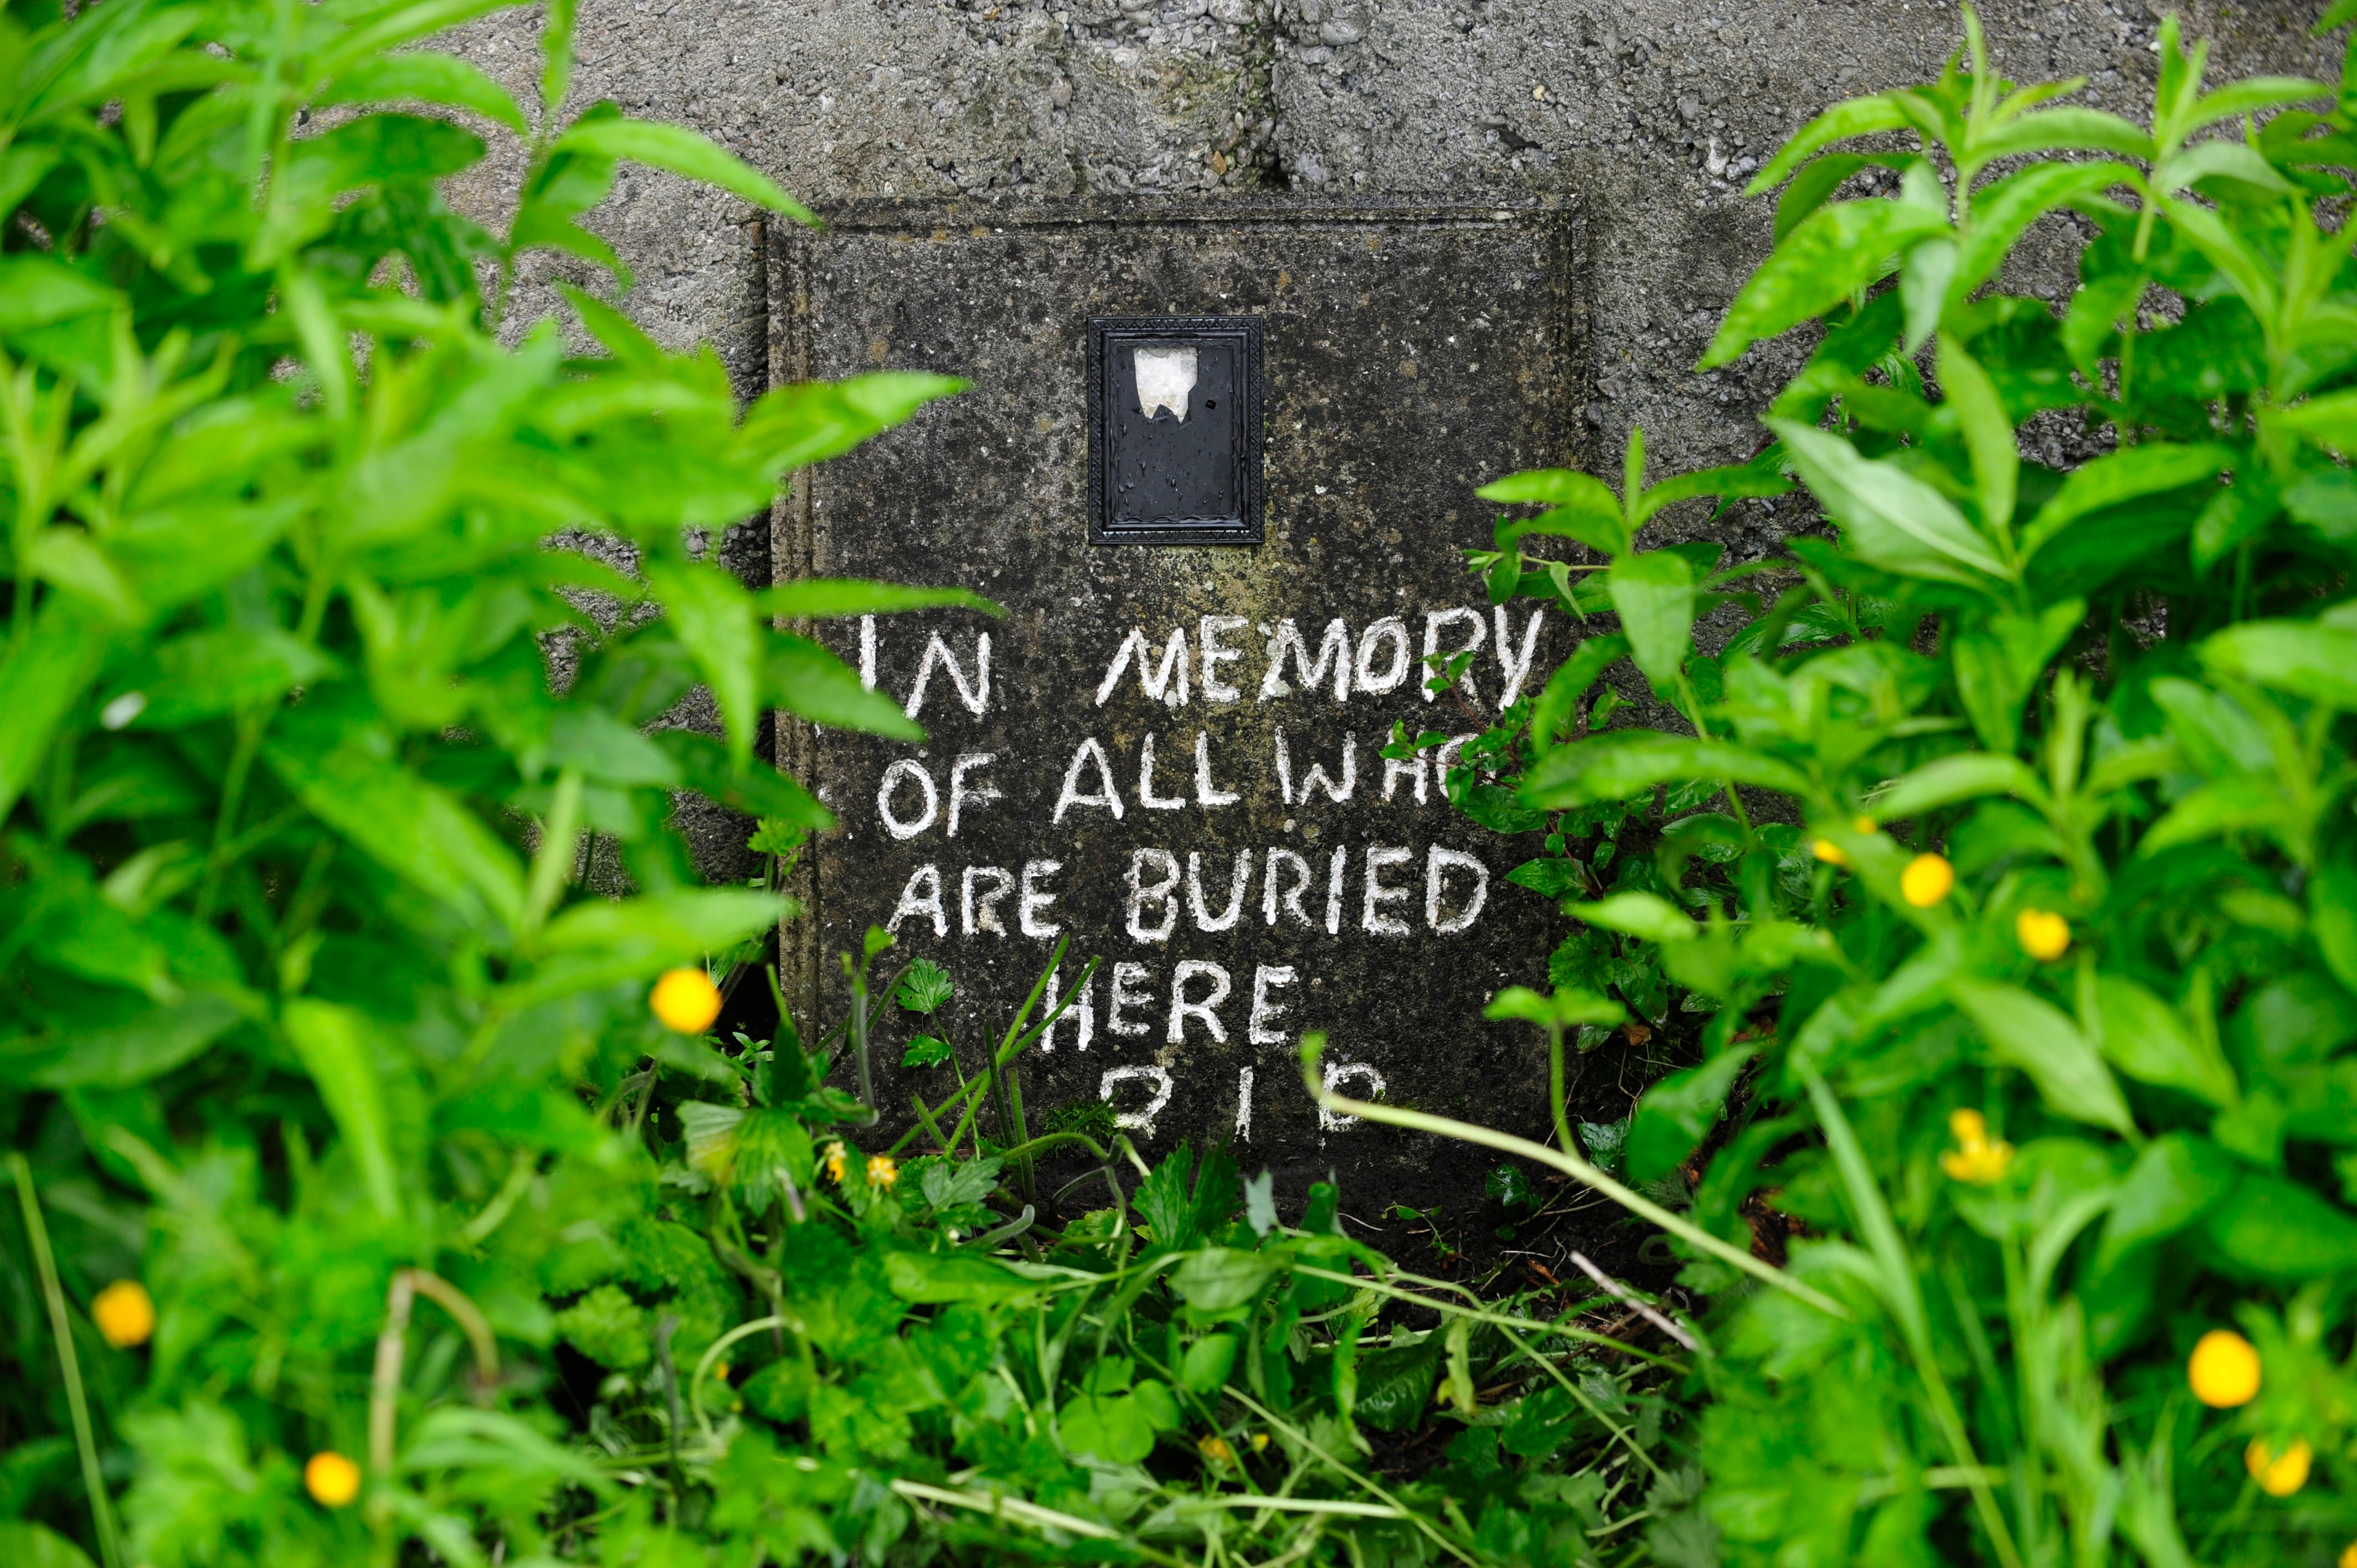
(1653, 111)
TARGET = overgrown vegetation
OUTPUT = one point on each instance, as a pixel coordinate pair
(2004, 844)
(378, 1195)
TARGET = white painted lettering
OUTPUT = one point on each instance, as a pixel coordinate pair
(1370, 916)
(1270, 884)
(973, 698)
(982, 914)
(959, 795)
(867, 653)
(1392, 632)
(1128, 983)
(1167, 685)
(1334, 892)
(1428, 672)
(1340, 1073)
(1070, 796)
(1164, 891)
(1515, 669)
(1206, 793)
(905, 769)
(1333, 652)
(1438, 863)
(1411, 769)
(929, 879)
(1243, 1104)
(1261, 1029)
(1145, 795)
(1137, 1121)
(1208, 632)
(1318, 779)
(1182, 1009)
(1032, 902)
(1204, 919)
(1081, 1014)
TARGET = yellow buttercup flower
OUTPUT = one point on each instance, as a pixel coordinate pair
(124, 1312)
(1976, 1158)
(1926, 880)
(2043, 934)
(331, 1479)
(2349, 1555)
(2278, 1475)
(2224, 1370)
(881, 1171)
(831, 1156)
(1259, 1441)
(1215, 1448)
(685, 1000)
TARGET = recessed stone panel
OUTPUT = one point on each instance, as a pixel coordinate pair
(1170, 750)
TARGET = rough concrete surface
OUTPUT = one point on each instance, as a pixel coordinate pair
(1651, 113)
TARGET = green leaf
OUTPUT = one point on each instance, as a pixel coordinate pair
(31, 1545)
(1643, 915)
(925, 988)
(2064, 130)
(42, 679)
(416, 830)
(2217, 160)
(804, 678)
(1579, 508)
(338, 1047)
(1890, 518)
(925, 1050)
(1850, 118)
(2146, 1039)
(1653, 595)
(714, 618)
(36, 290)
(2152, 468)
(1815, 184)
(1968, 775)
(818, 597)
(601, 941)
(2174, 1182)
(143, 1047)
(2307, 658)
(1571, 682)
(1925, 274)
(2271, 1228)
(1617, 764)
(801, 424)
(1207, 1363)
(2004, 209)
(2036, 1037)
(426, 78)
(1988, 433)
(755, 787)
(2332, 917)
(1836, 251)
(935, 1279)
(1396, 1384)
(1676, 1112)
(682, 152)
(1221, 1280)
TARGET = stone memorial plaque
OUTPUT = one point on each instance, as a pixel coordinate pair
(1218, 463)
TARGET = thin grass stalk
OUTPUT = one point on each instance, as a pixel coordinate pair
(37, 1234)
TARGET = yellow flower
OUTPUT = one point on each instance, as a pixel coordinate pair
(1828, 851)
(881, 1171)
(1976, 1158)
(1215, 1448)
(720, 1370)
(1866, 824)
(1926, 880)
(2349, 1555)
(833, 1157)
(331, 1479)
(2043, 934)
(125, 1314)
(685, 1000)
(2278, 1475)
(2224, 1370)
(1259, 1441)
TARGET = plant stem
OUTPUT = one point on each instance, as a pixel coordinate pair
(1556, 1090)
(1570, 1165)
(37, 1234)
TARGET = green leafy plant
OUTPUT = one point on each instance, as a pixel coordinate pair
(371, 1206)
(2004, 854)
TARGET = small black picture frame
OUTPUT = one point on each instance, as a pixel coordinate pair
(1166, 475)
